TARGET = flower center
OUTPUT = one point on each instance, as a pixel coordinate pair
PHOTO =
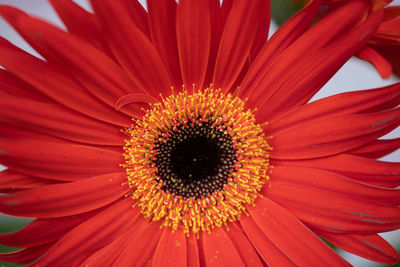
(196, 160)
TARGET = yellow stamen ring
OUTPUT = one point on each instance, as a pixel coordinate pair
(251, 169)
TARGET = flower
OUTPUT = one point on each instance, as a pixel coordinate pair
(122, 165)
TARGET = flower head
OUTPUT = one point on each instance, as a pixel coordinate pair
(196, 160)
(178, 135)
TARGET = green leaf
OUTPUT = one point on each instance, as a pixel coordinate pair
(282, 10)
(10, 224)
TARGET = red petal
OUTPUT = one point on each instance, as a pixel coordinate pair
(337, 183)
(200, 248)
(171, 249)
(366, 170)
(132, 48)
(145, 243)
(77, 262)
(332, 135)
(285, 35)
(193, 252)
(24, 255)
(280, 226)
(45, 76)
(107, 255)
(372, 247)
(193, 29)
(226, 7)
(380, 63)
(58, 121)
(262, 30)
(391, 12)
(219, 249)
(346, 103)
(262, 26)
(390, 27)
(137, 13)
(243, 246)
(13, 86)
(390, 52)
(91, 235)
(216, 31)
(59, 161)
(237, 40)
(331, 211)
(377, 148)
(10, 180)
(81, 23)
(272, 255)
(66, 199)
(162, 19)
(43, 231)
(7, 130)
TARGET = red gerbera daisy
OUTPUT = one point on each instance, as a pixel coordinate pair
(178, 137)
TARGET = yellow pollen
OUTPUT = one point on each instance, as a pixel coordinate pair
(226, 113)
